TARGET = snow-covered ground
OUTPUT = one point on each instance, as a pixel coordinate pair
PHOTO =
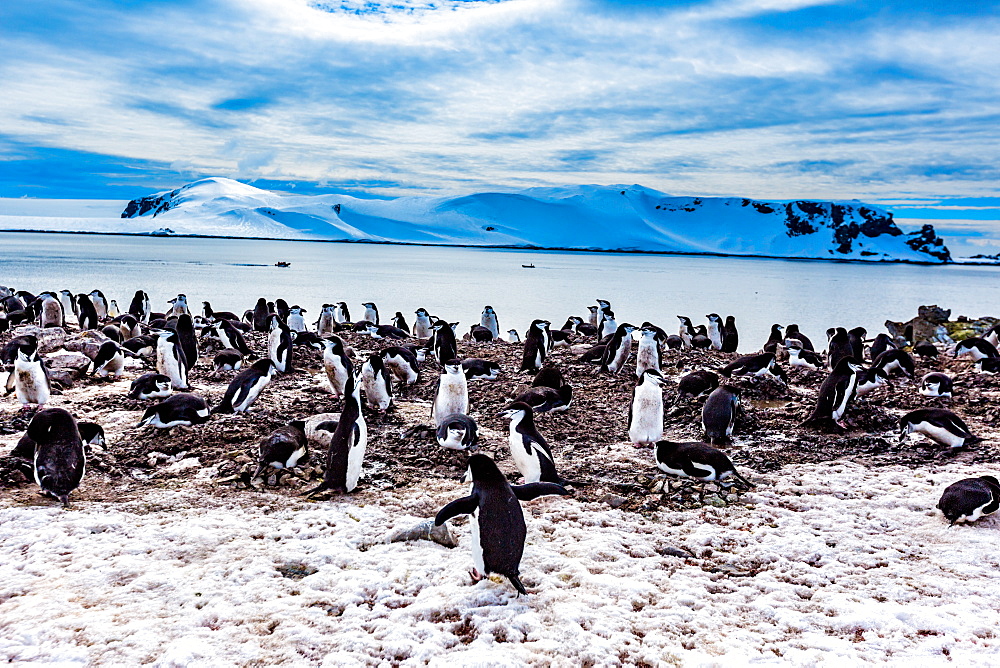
(831, 564)
(623, 218)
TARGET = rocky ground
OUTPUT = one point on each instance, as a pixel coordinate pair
(589, 440)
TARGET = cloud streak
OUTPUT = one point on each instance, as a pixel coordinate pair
(763, 98)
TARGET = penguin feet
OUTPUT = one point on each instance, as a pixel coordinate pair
(476, 576)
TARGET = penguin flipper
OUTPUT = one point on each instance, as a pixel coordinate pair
(464, 506)
(533, 490)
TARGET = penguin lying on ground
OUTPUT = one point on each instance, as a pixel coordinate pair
(938, 424)
(498, 529)
(458, 432)
(150, 386)
(698, 462)
(696, 384)
(59, 459)
(936, 384)
(284, 449)
(178, 410)
(969, 499)
(479, 369)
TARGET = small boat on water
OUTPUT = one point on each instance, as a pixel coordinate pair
(282, 264)
(528, 266)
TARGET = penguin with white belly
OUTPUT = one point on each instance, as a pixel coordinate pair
(645, 415)
(282, 450)
(376, 383)
(422, 325)
(371, 313)
(178, 410)
(458, 432)
(650, 352)
(443, 342)
(110, 360)
(347, 445)
(536, 346)
(150, 386)
(498, 528)
(30, 380)
(618, 350)
(337, 364)
(452, 395)
(170, 359)
(279, 344)
(835, 395)
(531, 454)
(245, 387)
(296, 321)
(969, 499)
(488, 319)
(936, 384)
(938, 424)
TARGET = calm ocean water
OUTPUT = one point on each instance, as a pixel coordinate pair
(455, 283)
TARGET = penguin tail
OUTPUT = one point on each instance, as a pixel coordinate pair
(743, 482)
(515, 579)
(971, 440)
(222, 408)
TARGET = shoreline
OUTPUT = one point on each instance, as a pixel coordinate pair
(513, 248)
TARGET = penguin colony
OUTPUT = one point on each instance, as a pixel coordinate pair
(366, 368)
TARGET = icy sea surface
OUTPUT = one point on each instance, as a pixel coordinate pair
(455, 283)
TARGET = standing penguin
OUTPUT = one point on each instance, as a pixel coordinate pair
(452, 395)
(284, 449)
(645, 415)
(109, 361)
(399, 322)
(347, 445)
(245, 387)
(938, 424)
(443, 344)
(337, 364)
(774, 339)
(279, 344)
(230, 337)
(327, 324)
(261, 316)
(376, 383)
(718, 415)
(608, 324)
(140, 306)
(188, 339)
(113, 310)
(536, 346)
(50, 312)
(402, 364)
(881, 343)
(67, 302)
(835, 395)
(86, 313)
(179, 306)
(59, 459)
(489, 320)
(513, 336)
(856, 337)
(618, 350)
(31, 383)
(686, 331)
(371, 313)
(422, 325)
(792, 332)
(341, 313)
(730, 336)
(715, 330)
(969, 499)
(170, 359)
(295, 320)
(498, 528)
(100, 304)
(839, 348)
(530, 452)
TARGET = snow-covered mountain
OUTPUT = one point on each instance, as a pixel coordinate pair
(631, 218)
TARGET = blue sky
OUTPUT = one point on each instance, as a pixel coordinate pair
(895, 103)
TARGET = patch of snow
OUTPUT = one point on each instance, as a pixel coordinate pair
(832, 564)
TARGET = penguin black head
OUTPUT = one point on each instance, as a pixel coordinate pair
(27, 348)
(52, 424)
(453, 366)
(515, 408)
(483, 469)
(651, 376)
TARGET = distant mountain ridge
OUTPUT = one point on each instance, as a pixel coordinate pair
(614, 218)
